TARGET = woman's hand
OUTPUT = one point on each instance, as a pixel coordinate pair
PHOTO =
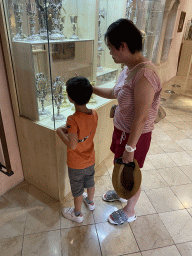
(127, 157)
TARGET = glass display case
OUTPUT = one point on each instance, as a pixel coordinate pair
(52, 39)
(50, 42)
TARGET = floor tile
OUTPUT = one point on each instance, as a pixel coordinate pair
(186, 118)
(42, 244)
(133, 254)
(152, 179)
(147, 165)
(109, 160)
(101, 170)
(12, 219)
(155, 149)
(169, 146)
(179, 135)
(164, 200)
(189, 152)
(104, 209)
(185, 144)
(144, 206)
(187, 132)
(162, 161)
(102, 185)
(173, 118)
(11, 246)
(38, 197)
(42, 218)
(182, 125)
(16, 197)
(154, 233)
(184, 193)
(168, 127)
(185, 249)
(160, 136)
(190, 211)
(80, 241)
(179, 225)
(87, 215)
(116, 240)
(174, 176)
(180, 158)
(165, 251)
(110, 169)
(190, 123)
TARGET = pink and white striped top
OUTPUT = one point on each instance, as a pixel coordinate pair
(124, 92)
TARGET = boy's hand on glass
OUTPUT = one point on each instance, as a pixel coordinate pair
(65, 128)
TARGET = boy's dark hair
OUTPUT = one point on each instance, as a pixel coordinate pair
(123, 30)
(79, 90)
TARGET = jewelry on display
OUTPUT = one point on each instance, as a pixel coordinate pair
(74, 22)
(129, 148)
(31, 12)
(58, 96)
(102, 14)
(18, 12)
(41, 89)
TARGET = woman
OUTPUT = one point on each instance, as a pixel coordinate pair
(138, 103)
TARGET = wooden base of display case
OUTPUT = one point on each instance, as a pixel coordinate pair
(44, 156)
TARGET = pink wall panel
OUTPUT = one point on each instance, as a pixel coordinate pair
(6, 182)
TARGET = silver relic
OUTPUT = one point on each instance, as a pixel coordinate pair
(31, 12)
(41, 90)
(55, 9)
(58, 97)
(74, 22)
(102, 14)
(18, 12)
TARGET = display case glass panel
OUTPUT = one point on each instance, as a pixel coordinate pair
(49, 42)
(52, 39)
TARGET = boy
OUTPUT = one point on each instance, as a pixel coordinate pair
(78, 135)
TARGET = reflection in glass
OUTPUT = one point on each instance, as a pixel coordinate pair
(74, 23)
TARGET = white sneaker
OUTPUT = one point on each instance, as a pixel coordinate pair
(89, 206)
(69, 214)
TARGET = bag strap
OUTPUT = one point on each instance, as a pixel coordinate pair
(143, 65)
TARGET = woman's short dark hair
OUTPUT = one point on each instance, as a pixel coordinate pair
(123, 30)
(79, 90)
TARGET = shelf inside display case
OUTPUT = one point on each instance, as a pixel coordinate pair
(42, 70)
(69, 109)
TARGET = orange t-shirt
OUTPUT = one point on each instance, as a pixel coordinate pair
(84, 125)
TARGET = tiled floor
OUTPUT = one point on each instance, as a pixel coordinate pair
(31, 222)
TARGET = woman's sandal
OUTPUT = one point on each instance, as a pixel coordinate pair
(112, 196)
(119, 217)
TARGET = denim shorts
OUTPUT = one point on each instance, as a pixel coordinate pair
(80, 179)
